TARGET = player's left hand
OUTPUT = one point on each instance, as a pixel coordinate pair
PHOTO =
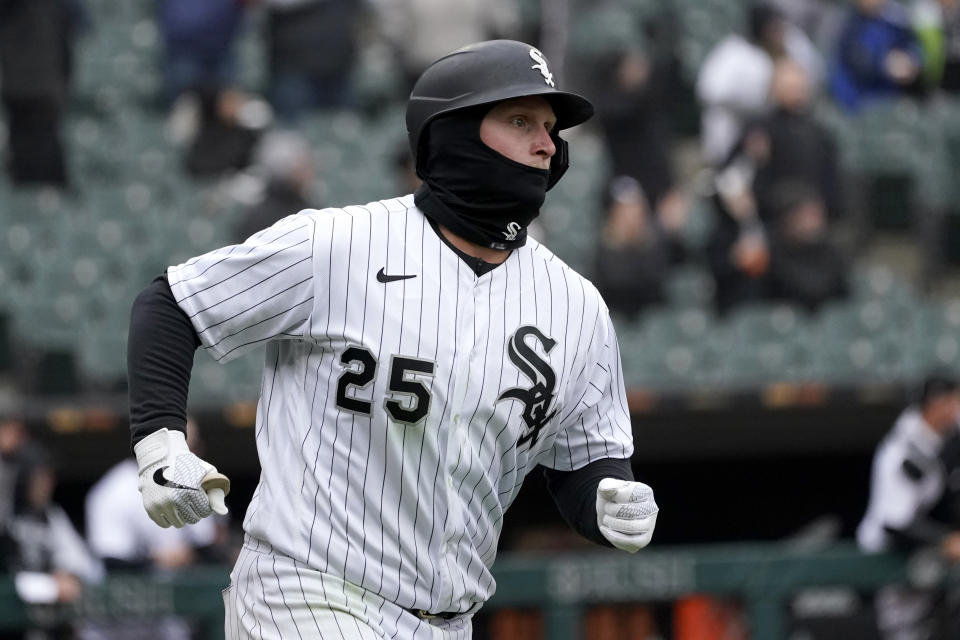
(626, 513)
(177, 487)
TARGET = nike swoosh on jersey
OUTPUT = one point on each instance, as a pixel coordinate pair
(161, 480)
(383, 277)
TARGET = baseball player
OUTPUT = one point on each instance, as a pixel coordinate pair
(913, 503)
(422, 357)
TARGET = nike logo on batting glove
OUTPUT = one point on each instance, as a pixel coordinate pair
(195, 490)
(162, 480)
(626, 513)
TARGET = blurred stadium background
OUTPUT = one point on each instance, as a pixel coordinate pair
(755, 428)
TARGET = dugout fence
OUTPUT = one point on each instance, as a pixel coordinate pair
(561, 589)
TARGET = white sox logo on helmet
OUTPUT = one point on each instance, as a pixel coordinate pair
(512, 230)
(541, 66)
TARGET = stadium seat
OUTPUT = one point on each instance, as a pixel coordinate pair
(771, 342)
(937, 343)
(689, 285)
(102, 356)
(681, 348)
(869, 340)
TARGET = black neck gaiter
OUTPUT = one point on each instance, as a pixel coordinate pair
(479, 194)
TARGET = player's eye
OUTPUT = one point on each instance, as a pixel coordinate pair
(518, 121)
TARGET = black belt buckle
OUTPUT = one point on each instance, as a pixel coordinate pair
(423, 614)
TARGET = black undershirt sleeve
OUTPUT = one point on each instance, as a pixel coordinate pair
(160, 350)
(575, 493)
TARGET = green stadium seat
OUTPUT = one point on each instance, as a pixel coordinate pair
(937, 337)
(604, 29)
(49, 320)
(689, 285)
(679, 348)
(638, 371)
(102, 355)
(771, 342)
(874, 340)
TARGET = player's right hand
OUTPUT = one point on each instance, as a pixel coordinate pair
(177, 487)
(626, 513)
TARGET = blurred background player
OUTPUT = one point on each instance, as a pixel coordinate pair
(41, 547)
(915, 502)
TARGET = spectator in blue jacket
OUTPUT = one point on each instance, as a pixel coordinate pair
(877, 55)
(198, 43)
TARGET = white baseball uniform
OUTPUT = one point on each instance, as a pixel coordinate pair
(404, 399)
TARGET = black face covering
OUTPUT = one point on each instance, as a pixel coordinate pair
(474, 191)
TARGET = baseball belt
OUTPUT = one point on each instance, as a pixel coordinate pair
(423, 614)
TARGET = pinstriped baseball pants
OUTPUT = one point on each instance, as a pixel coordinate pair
(272, 597)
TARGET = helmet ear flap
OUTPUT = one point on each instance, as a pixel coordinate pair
(560, 161)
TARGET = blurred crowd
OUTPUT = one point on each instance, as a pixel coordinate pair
(52, 561)
(764, 161)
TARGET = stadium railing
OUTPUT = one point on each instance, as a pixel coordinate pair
(762, 576)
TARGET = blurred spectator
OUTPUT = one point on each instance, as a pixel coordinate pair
(937, 23)
(313, 47)
(634, 252)
(627, 91)
(806, 267)
(219, 126)
(121, 533)
(36, 51)
(785, 164)
(13, 437)
(198, 43)
(286, 164)
(737, 250)
(421, 31)
(41, 547)
(793, 146)
(877, 55)
(734, 81)
(912, 504)
(819, 19)
(628, 67)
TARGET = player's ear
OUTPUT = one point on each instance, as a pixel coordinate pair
(560, 161)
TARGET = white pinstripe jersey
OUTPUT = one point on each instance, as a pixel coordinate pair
(399, 417)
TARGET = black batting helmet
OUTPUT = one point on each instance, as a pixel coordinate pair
(484, 73)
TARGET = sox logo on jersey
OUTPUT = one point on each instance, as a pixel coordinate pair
(536, 399)
(404, 399)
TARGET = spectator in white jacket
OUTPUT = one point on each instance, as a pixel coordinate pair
(733, 85)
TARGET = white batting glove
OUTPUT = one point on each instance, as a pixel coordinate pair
(626, 513)
(177, 487)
